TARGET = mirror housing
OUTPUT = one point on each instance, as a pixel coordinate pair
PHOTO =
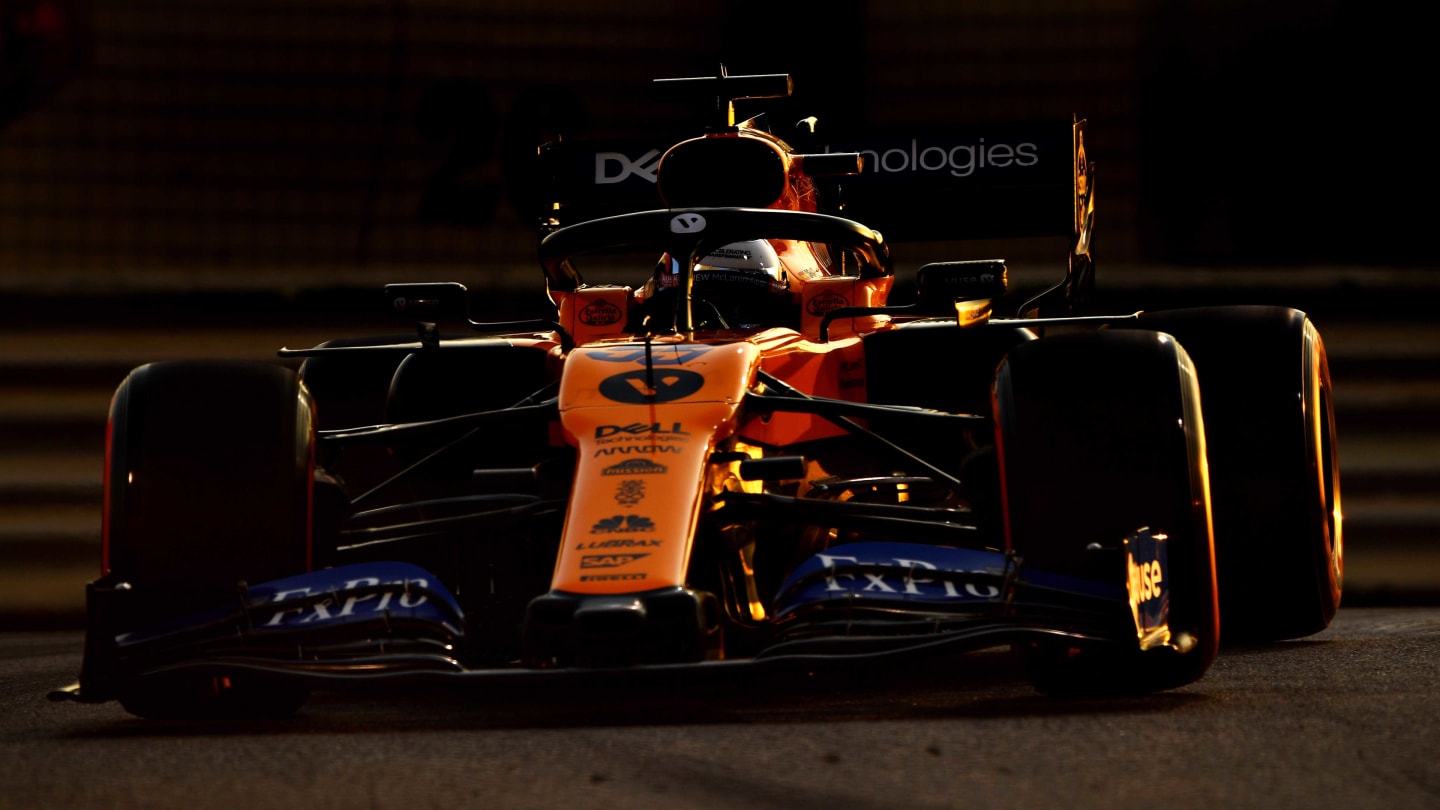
(429, 301)
(940, 286)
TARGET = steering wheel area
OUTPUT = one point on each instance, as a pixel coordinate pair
(694, 232)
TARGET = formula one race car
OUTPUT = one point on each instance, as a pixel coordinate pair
(750, 461)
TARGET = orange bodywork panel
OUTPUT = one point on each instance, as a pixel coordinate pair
(835, 370)
(594, 313)
(821, 296)
(644, 440)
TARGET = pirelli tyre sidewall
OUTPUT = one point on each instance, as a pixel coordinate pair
(209, 486)
(1101, 434)
(1274, 470)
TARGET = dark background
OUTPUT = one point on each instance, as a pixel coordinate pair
(286, 144)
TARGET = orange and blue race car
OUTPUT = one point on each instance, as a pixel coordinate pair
(751, 460)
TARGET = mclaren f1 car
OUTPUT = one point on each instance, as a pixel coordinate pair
(751, 459)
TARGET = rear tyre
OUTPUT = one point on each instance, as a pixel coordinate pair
(350, 388)
(209, 486)
(1100, 434)
(1274, 469)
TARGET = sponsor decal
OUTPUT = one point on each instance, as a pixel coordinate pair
(738, 276)
(636, 466)
(895, 572)
(623, 524)
(959, 160)
(1145, 579)
(355, 594)
(826, 302)
(664, 355)
(632, 387)
(609, 560)
(730, 253)
(610, 577)
(601, 313)
(1146, 561)
(631, 449)
(630, 492)
(615, 167)
(638, 429)
(687, 223)
(351, 605)
(902, 576)
(595, 545)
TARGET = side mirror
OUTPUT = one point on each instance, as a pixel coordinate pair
(943, 284)
(429, 301)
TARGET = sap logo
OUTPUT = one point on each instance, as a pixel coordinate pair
(644, 167)
(609, 560)
(330, 609)
(636, 466)
(628, 449)
(687, 223)
(595, 545)
(1145, 581)
(902, 580)
(623, 524)
(637, 429)
(962, 160)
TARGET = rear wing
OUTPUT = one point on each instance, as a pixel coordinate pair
(982, 182)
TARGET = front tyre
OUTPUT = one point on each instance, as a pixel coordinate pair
(1099, 435)
(209, 486)
(1274, 469)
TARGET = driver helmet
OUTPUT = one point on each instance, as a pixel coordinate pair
(744, 281)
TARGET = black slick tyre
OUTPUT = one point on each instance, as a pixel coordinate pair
(1274, 470)
(209, 486)
(1099, 435)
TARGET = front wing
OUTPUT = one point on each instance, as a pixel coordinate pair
(374, 623)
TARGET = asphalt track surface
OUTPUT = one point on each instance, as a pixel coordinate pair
(1349, 718)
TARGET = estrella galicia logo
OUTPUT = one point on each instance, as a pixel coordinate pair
(687, 223)
(600, 313)
(826, 302)
(632, 388)
(636, 466)
(668, 355)
(643, 167)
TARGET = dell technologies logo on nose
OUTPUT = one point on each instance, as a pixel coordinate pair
(623, 167)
